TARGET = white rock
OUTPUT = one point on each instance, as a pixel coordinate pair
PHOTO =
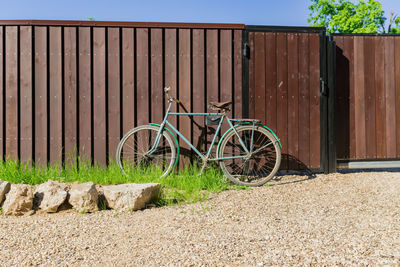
(83, 197)
(130, 197)
(4, 189)
(19, 200)
(49, 196)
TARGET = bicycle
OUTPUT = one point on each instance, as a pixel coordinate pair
(249, 153)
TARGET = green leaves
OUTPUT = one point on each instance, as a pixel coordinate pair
(396, 27)
(344, 16)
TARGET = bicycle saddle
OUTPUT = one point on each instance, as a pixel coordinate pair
(221, 105)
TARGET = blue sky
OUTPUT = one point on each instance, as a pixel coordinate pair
(251, 12)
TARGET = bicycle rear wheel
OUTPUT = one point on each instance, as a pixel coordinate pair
(135, 150)
(256, 168)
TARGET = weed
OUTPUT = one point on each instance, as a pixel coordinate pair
(242, 187)
(103, 204)
(205, 208)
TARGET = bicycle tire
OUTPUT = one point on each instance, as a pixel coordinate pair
(133, 148)
(258, 169)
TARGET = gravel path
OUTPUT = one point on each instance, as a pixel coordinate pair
(349, 219)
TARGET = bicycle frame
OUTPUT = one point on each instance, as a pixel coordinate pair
(165, 122)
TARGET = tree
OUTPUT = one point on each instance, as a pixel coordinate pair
(394, 23)
(396, 29)
(345, 16)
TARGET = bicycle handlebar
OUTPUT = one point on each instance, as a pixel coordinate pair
(170, 98)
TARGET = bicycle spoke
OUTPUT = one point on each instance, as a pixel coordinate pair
(256, 167)
(138, 150)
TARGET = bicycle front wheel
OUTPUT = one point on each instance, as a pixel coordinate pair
(136, 150)
(254, 168)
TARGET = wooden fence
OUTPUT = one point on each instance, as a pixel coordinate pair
(71, 88)
(77, 87)
(367, 96)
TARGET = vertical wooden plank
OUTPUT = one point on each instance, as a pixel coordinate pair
(171, 69)
(128, 72)
(198, 88)
(349, 54)
(26, 93)
(237, 63)
(282, 93)
(380, 101)
(156, 76)
(226, 70)
(2, 123)
(369, 69)
(70, 94)
(304, 100)
(226, 65)
(11, 93)
(212, 72)
(114, 112)
(293, 99)
(251, 76)
(85, 101)
(99, 96)
(359, 95)
(212, 65)
(259, 76)
(390, 96)
(270, 79)
(55, 95)
(184, 86)
(142, 71)
(397, 75)
(41, 95)
(315, 120)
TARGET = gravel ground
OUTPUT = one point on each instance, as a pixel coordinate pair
(337, 219)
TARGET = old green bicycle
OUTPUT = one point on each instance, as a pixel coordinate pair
(249, 153)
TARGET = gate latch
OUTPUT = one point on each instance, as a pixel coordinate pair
(246, 50)
(324, 87)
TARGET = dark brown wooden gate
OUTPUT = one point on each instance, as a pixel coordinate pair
(368, 97)
(284, 90)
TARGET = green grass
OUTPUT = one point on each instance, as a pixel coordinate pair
(180, 187)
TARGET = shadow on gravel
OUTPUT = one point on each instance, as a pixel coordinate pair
(300, 170)
(369, 170)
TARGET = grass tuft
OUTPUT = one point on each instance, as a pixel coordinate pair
(185, 186)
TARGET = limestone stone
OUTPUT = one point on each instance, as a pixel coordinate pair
(130, 197)
(19, 200)
(84, 197)
(4, 189)
(49, 196)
